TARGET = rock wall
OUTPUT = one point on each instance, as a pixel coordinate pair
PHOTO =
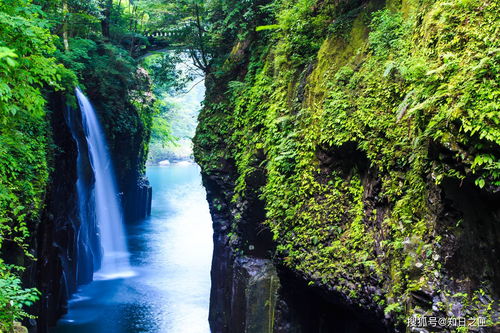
(137, 199)
(244, 284)
(55, 237)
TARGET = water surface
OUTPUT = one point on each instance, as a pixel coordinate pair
(170, 254)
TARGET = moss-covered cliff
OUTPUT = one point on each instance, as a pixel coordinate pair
(370, 132)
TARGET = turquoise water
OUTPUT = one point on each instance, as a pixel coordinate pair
(171, 254)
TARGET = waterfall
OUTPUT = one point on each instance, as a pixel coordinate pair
(108, 214)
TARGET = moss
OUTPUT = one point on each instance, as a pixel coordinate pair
(335, 52)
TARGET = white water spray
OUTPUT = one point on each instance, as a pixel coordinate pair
(115, 259)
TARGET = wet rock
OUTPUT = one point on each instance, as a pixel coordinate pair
(137, 200)
(54, 273)
(254, 295)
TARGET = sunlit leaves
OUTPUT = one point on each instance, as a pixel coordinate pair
(26, 67)
(13, 297)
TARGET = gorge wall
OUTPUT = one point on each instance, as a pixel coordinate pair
(350, 153)
(57, 273)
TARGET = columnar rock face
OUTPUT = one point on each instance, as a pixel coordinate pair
(56, 235)
(244, 292)
(341, 140)
(260, 283)
(253, 295)
(137, 200)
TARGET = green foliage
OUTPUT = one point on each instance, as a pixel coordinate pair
(206, 30)
(13, 298)
(267, 27)
(26, 68)
(165, 73)
(388, 31)
(231, 21)
(79, 56)
(303, 27)
(175, 124)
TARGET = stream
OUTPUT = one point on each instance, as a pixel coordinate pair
(170, 257)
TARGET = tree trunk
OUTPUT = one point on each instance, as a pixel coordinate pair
(199, 27)
(105, 22)
(65, 26)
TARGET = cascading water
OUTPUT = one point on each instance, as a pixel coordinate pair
(115, 256)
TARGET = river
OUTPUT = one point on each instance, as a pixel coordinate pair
(171, 253)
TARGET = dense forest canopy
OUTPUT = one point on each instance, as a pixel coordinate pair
(412, 87)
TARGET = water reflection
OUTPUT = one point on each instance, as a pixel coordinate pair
(171, 255)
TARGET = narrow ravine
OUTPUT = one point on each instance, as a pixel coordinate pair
(257, 166)
(170, 254)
